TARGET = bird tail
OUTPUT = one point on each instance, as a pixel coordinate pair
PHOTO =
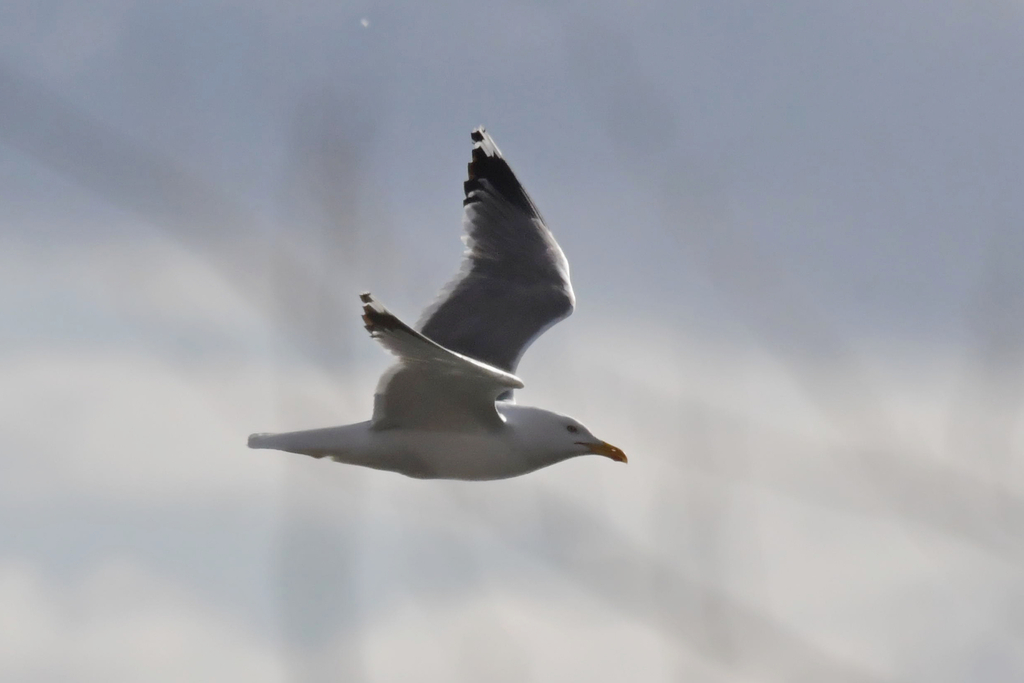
(316, 443)
(261, 440)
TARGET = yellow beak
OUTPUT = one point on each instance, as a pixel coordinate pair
(605, 449)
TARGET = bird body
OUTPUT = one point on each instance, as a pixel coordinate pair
(444, 410)
(512, 450)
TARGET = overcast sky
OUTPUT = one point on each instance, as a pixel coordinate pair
(794, 233)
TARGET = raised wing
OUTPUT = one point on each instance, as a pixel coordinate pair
(514, 280)
(431, 387)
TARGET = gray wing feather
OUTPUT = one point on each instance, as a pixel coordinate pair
(514, 280)
(431, 387)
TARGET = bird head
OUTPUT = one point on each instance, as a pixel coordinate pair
(555, 437)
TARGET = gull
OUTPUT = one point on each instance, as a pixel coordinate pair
(445, 409)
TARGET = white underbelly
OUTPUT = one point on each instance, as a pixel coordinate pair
(448, 455)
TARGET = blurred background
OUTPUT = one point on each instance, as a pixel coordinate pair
(796, 242)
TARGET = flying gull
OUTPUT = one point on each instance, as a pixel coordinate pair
(444, 410)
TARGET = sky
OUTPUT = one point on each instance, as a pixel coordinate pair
(794, 239)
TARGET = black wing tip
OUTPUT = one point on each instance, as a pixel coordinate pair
(484, 151)
(376, 318)
(488, 164)
(484, 147)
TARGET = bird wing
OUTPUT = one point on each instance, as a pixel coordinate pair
(431, 387)
(514, 280)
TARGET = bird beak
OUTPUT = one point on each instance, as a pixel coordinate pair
(605, 449)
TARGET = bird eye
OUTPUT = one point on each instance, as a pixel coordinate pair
(572, 429)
